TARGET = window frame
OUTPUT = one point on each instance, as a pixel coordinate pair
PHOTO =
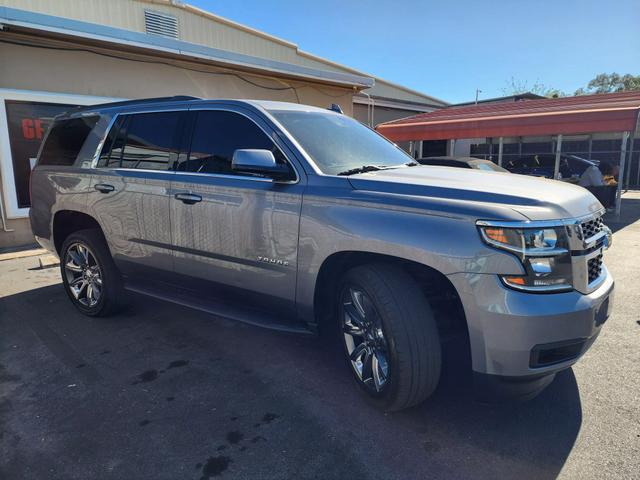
(125, 124)
(185, 144)
(277, 143)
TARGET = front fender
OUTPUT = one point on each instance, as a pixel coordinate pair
(447, 243)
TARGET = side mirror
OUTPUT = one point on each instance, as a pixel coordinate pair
(259, 162)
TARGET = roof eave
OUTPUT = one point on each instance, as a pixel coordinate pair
(17, 19)
(565, 123)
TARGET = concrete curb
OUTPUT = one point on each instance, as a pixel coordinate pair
(48, 261)
(23, 254)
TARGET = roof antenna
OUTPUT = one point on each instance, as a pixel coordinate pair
(335, 108)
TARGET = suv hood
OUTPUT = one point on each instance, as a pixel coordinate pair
(535, 198)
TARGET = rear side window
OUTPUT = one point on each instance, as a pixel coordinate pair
(217, 134)
(65, 140)
(148, 141)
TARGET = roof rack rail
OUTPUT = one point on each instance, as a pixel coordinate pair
(175, 98)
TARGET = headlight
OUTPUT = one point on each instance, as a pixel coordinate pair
(544, 254)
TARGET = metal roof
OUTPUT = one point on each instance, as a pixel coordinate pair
(22, 20)
(508, 98)
(610, 112)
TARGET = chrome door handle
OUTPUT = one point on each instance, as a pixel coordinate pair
(104, 187)
(188, 198)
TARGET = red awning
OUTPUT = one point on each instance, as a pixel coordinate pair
(611, 112)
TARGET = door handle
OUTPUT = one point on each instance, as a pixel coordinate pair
(188, 198)
(104, 187)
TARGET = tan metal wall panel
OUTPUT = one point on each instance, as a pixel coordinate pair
(384, 89)
(84, 73)
(115, 13)
(193, 28)
(380, 114)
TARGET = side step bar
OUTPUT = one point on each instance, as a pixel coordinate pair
(220, 308)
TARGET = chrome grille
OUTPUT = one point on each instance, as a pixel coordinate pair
(594, 266)
(591, 227)
(587, 264)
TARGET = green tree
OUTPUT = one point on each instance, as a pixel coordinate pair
(611, 82)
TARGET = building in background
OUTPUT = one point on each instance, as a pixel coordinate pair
(57, 54)
(603, 127)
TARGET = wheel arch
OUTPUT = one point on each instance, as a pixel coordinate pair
(437, 288)
(65, 222)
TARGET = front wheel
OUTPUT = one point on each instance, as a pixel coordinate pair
(90, 277)
(389, 336)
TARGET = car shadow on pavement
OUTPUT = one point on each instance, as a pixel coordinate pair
(455, 435)
(199, 383)
(629, 213)
(529, 439)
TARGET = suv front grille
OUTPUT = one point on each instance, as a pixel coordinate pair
(595, 268)
(591, 227)
(587, 264)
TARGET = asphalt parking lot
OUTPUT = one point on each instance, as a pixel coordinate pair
(161, 391)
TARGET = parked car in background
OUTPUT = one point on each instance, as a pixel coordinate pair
(462, 162)
(302, 219)
(543, 165)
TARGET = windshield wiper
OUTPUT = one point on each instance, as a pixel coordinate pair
(375, 168)
(363, 169)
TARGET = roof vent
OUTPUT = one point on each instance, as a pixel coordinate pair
(157, 23)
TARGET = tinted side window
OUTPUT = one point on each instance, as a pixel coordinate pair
(65, 140)
(216, 135)
(152, 141)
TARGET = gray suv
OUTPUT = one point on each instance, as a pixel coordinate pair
(303, 220)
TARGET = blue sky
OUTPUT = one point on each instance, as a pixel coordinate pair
(449, 48)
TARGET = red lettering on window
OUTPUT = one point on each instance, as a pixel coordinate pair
(28, 131)
(39, 129)
(32, 129)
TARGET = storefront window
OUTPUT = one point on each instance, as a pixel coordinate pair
(28, 123)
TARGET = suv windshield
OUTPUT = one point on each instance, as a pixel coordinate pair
(339, 144)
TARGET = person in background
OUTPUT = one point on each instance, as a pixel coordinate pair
(601, 181)
(592, 177)
(609, 173)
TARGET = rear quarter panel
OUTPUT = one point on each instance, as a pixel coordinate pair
(55, 188)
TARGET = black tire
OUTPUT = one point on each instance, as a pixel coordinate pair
(411, 340)
(112, 295)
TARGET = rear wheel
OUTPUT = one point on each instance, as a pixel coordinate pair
(90, 277)
(389, 336)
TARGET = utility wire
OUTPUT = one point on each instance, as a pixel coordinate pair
(157, 62)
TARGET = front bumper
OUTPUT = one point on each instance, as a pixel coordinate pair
(524, 335)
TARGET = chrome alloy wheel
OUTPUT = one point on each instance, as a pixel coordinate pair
(364, 339)
(84, 277)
